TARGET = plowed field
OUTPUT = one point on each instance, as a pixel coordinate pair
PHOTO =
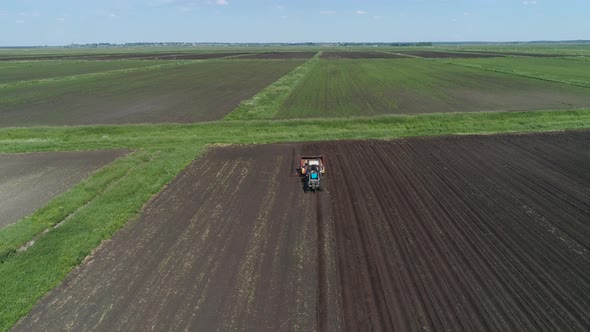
(279, 55)
(461, 233)
(360, 55)
(28, 181)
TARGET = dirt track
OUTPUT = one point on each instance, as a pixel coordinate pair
(462, 233)
(28, 181)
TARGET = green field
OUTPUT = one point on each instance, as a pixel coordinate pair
(409, 86)
(566, 70)
(261, 101)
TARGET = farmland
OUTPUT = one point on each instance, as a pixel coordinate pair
(200, 221)
(15, 72)
(566, 70)
(182, 92)
(409, 86)
(29, 181)
(445, 233)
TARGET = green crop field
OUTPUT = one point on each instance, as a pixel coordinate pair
(44, 104)
(567, 70)
(409, 86)
(550, 49)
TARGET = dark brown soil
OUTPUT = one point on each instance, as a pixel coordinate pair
(463, 233)
(453, 233)
(127, 56)
(201, 56)
(231, 244)
(279, 55)
(464, 55)
(360, 55)
(29, 181)
(187, 93)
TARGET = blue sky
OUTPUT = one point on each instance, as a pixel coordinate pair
(60, 22)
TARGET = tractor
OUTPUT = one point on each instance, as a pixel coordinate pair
(311, 169)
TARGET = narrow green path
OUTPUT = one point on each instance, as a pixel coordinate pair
(266, 103)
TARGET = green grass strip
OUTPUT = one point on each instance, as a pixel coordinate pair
(26, 276)
(266, 103)
(58, 209)
(295, 130)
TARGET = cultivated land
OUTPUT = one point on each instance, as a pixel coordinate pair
(361, 55)
(279, 55)
(438, 54)
(409, 86)
(124, 56)
(444, 233)
(481, 179)
(181, 92)
(16, 72)
(565, 70)
(29, 181)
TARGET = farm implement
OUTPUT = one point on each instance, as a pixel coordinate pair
(311, 169)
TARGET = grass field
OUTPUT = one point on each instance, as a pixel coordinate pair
(281, 101)
(566, 70)
(191, 92)
(409, 86)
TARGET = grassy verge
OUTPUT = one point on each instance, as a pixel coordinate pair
(266, 103)
(26, 276)
(266, 131)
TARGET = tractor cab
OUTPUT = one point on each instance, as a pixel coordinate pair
(311, 170)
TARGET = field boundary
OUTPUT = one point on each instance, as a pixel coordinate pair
(103, 137)
(520, 74)
(266, 103)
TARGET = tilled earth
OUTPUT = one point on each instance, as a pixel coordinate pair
(461, 233)
(28, 181)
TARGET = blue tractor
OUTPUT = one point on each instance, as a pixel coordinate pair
(312, 169)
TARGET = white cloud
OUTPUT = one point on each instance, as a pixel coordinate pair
(221, 2)
(361, 12)
(529, 2)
